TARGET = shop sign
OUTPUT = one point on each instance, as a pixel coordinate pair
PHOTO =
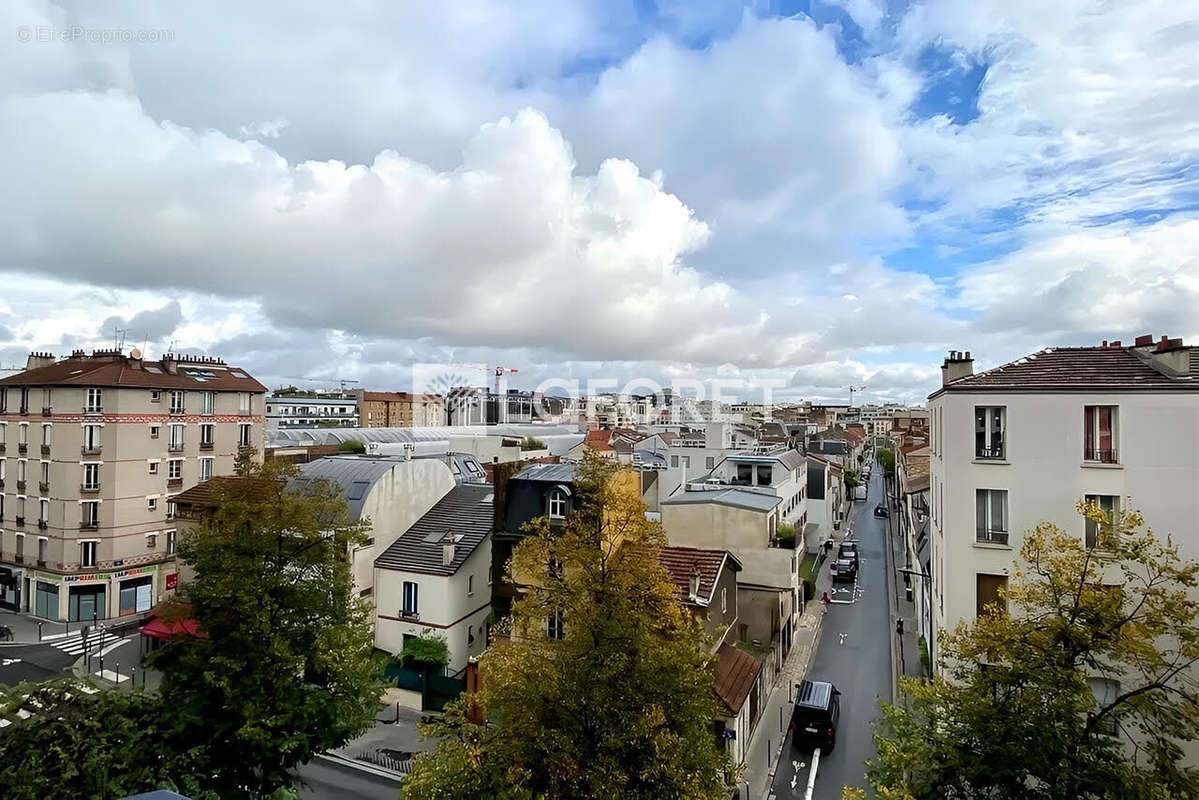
(172, 581)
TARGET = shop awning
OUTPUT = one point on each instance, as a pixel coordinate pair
(163, 629)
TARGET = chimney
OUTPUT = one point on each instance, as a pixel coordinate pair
(1144, 341)
(957, 365)
(693, 586)
(447, 550)
(37, 360)
(170, 364)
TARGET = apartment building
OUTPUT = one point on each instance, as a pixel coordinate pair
(400, 410)
(92, 450)
(286, 411)
(1026, 441)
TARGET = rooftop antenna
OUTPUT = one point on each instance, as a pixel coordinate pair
(118, 337)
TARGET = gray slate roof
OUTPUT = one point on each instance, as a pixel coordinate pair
(355, 474)
(559, 473)
(737, 498)
(466, 511)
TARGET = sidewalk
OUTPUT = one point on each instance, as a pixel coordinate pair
(25, 627)
(905, 650)
(765, 745)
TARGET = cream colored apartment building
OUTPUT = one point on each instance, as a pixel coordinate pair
(92, 449)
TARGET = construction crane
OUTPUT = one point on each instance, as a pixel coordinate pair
(499, 374)
(853, 389)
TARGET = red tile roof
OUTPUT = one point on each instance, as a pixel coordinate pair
(113, 369)
(681, 562)
(599, 440)
(1075, 368)
(736, 673)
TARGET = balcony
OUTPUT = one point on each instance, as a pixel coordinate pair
(93, 409)
(90, 450)
(47, 411)
(22, 448)
(1, 483)
(24, 410)
(174, 483)
(43, 487)
(20, 522)
(205, 445)
(41, 526)
(18, 559)
(995, 453)
(406, 614)
(20, 487)
(1100, 456)
(983, 536)
(175, 447)
(89, 488)
(89, 524)
(3, 447)
(45, 449)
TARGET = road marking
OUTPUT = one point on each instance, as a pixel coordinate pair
(842, 635)
(4, 662)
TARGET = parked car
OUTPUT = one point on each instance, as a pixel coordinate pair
(849, 549)
(844, 569)
(880, 510)
(814, 719)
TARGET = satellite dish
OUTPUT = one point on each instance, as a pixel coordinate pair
(135, 353)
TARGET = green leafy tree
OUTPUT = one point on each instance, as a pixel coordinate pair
(853, 479)
(886, 458)
(429, 650)
(79, 744)
(532, 443)
(621, 706)
(1017, 714)
(287, 669)
(352, 446)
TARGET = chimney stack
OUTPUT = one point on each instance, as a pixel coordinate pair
(957, 365)
(37, 360)
(447, 550)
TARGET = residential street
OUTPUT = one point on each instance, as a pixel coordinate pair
(32, 662)
(854, 654)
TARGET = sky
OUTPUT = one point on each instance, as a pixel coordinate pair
(811, 193)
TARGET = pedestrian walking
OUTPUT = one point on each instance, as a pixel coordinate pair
(824, 598)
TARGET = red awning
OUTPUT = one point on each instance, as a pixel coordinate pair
(162, 629)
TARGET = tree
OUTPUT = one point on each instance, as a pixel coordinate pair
(429, 650)
(352, 446)
(852, 479)
(532, 443)
(1087, 690)
(78, 744)
(621, 706)
(886, 458)
(287, 669)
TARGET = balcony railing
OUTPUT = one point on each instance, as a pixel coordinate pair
(3, 447)
(42, 525)
(20, 522)
(175, 447)
(47, 411)
(407, 614)
(20, 487)
(1101, 456)
(18, 558)
(989, 452)
(45, 449)
(41, 563)
(93, 409)
(24, 410)
(89, 524)
(43, 487)
(174, 483)
(89, 488)
(22, 448)
(990, 537)
(205, 445)
(90, 449)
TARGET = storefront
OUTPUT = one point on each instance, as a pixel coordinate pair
(136, 595)
(87, 602)
(98, 596)
(46, 598)
(10, 587)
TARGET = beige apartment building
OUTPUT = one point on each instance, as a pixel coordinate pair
(399, 410)
(92, 449)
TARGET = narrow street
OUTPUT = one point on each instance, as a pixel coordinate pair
(853, 654)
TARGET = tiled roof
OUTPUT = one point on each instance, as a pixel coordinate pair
(466, 512)
(681, 562)
(117, 370)
(599, 440)
(736, 672)
(1110, 368)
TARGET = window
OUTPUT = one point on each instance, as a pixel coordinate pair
(153, 467)
(175, 468)
(176, 441)
(553, 626)
(557, 504)
(20, 545)
(3, 400)
(151, 541)
(1098, 533)
(243, 402)
(1106, 691)
(745, 474)
(410, 607)
(765, 475)
(155, 396)
(177, 402)
(724, 600)
(674, 461)
(206, 434)
(23, 436)
(243, 435)
(45, 472)
(21, 470)
(710, 462)
(151, 503)
(989, 424)
(170, 511)
(470, 585)
(87, 553)
(170, 538)
(47, 428)
(90, 511)
(44, 512)
(991, 594)
(91, 476)
(205, 469)
(91, 438)
(1099, 434)
(990, 508)
(95, 401)
(207, 402)
(43, 545)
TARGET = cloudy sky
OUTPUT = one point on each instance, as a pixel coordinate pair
(817, 193)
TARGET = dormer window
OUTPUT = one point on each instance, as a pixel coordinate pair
(557, 504)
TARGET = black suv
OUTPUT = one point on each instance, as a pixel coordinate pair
(814, 719)
(849, 549)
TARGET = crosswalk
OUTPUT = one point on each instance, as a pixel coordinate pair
(76, 645)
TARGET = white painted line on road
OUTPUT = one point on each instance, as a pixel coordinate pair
(812, 774)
